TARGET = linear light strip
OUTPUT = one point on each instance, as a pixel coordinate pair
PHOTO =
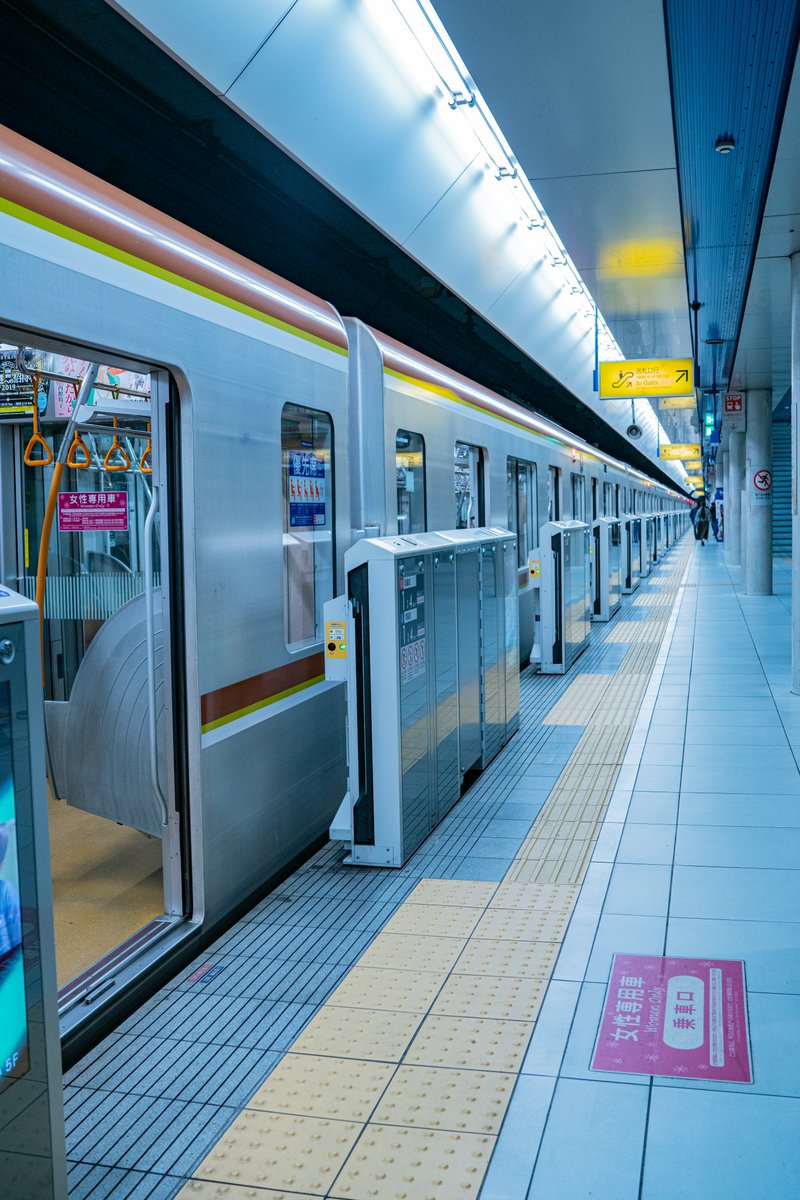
(465, 98)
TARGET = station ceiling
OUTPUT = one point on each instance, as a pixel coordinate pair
(612, 111)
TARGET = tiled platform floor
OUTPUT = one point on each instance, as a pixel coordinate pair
(674, 865)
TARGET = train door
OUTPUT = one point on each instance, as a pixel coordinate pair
(554, 493)
(578, 497)
(89, 502)
(469, 486)
(523, 520)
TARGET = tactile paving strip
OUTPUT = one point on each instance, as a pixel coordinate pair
(417, 1050)
(461, 893)
(358, 1033)
(307, 1085)
(395, 1163)
(437, 1098)
(579, 701)
(388, 987)
(478, 1043)
(443, 920)
(261, 1149)
(197, 1189)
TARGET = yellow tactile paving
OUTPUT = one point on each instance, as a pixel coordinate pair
(296, 1154)
(482, 1044)
(392, 1163)
(517, 924)
(579, 701)
(442, 920)
(424, 1037)
(385, 987)
(630, 631)
(534, 895)
(408, 951)
(525, 960)
(197, 1189)
(308, 1085)
(357, 1033)
(437, 1097)
(499, 996)
(462, 893)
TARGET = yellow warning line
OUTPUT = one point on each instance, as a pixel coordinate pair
(397, 1088)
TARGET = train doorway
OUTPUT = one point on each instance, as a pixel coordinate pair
(86, 501)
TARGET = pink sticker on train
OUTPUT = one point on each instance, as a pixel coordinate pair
(681, 1017)
(90, 512)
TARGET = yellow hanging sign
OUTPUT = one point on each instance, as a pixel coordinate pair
(644, 377)
(679, 450)
(694, 465)
(677, 402)
(695, 481)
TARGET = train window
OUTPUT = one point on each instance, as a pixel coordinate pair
(554, 493)
(468, 476)
(409, 458)
(307, 471)
(523, 518)
(617, 511)
(578, 497)
(595, 512)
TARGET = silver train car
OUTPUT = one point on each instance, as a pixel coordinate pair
(188, 446)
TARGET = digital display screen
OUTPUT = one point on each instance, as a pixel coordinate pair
(14, 1056)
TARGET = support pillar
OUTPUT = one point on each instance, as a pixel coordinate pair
(757, 575)
(795, 261)
(721, 472)
(733, 500)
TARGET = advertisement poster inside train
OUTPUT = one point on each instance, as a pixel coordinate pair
(306, 489)
(13, 1017)
(685, 1018)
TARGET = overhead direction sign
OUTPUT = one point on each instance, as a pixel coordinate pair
(695, 464)
(646, 377)
(679, 450)
(677, 402)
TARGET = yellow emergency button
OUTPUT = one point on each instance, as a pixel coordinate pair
(335, 640)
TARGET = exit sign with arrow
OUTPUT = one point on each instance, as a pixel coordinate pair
(634, 378)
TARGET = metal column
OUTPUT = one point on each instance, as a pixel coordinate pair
(757, 574)
(733, 501)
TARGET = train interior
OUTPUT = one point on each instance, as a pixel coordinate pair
(80, 494)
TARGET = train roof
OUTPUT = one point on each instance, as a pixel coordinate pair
(410, 364)
(50, 192)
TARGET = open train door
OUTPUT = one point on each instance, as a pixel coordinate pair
(94, 488)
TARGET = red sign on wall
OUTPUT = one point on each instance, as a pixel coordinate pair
(87, 512)
(734, 402)
(680, 1017)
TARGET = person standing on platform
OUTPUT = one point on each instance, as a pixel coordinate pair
(701, 523)
(715, 519)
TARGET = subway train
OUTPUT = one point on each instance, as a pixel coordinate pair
(188, 446)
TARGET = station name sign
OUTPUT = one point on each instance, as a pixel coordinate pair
(679, 450)
(647, 377)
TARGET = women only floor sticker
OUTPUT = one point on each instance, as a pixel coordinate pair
(682, 1017)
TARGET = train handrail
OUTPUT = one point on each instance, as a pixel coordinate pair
(52, 499)
(149, 593)
(45, 456)
(78, 446)
(117, 448)
(147, 456)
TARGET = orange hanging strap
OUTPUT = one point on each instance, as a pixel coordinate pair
(78, 447)
(146, 462)
(45, 455)
(122, 461)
